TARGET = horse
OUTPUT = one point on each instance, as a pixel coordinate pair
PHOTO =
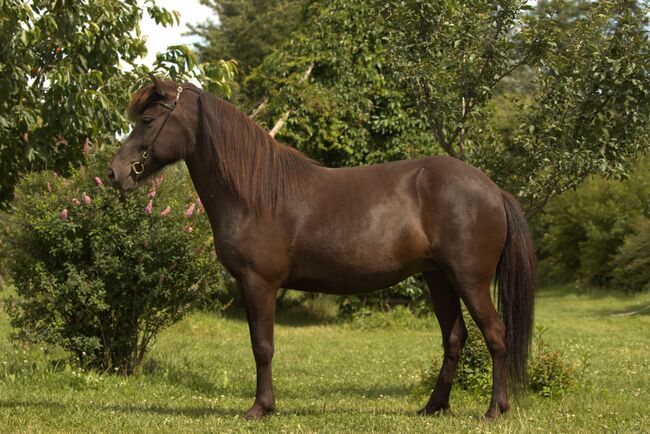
(281, 220)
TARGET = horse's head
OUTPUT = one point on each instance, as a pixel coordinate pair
(165, 116)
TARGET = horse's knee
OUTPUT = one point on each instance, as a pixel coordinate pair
(495, 338)
(263, 352)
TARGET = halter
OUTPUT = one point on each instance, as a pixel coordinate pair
(137, 167)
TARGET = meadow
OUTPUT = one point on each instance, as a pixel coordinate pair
(334, 376)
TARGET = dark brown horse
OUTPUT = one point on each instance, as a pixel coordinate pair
(281, 220)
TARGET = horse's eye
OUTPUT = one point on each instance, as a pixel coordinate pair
(147, 120)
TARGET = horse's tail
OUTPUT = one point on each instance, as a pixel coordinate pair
(517, 278)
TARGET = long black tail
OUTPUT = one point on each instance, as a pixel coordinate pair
(517, 280)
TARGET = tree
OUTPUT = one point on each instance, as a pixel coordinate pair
(67, 70)
(349, 111)
(247, 32)
(592, 88)
(409, 78)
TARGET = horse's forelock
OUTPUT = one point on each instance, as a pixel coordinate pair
(140, 100)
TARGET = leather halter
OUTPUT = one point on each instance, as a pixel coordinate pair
(137, 167)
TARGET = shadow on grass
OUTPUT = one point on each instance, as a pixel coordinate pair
(53, 405)
(362, 393)
(181, 376)
(637, 309)
(195, 412)
(588, 293)
(292, 316)
(199, 411)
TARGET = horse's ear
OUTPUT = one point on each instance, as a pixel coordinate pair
(158, 84)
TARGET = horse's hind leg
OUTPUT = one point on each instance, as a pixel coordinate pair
(446, 305)
(476, 296)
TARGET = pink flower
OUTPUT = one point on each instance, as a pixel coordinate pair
(86, 148)
(190, 211)
(149, 208)
(49, 187)
(198, 201)
(86, 198)
(188, 229)
(151, 194)
(64, 214)
(75, 201)
(165, 212)
(156, 182)
(98, 181)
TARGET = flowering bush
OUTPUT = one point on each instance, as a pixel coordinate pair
(100, 272)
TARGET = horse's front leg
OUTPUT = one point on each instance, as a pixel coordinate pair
(259, 298)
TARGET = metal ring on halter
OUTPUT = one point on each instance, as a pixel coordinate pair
(137, 168)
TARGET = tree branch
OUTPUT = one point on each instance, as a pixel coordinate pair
(258, 107)
(283, 119)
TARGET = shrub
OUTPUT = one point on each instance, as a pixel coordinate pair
(581, 231)
(399, 317)
(631, 265)
(100, 272)
(474, 372)
(549, 373)
(412, 292)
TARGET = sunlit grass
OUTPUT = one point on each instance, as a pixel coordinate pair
(332, 377)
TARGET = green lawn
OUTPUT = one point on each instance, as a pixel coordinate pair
(333, 377)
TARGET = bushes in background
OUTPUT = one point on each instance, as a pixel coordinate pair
(100, 272)
(596, 234)
(631, 265)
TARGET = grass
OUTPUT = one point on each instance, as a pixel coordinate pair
(333, 377)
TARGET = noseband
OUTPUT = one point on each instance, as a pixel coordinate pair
(137, 167)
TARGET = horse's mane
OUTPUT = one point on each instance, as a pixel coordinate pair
(261, 171)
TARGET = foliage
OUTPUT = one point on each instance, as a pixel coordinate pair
(474, 372)
(450, 55)
(247, 31)
(397, 318)
(581, 231)
(549, 372)
(67, 70)
(592, 88)
(631, 264)
(406, 79)
(100, 272)
(411, 291)
(348, 111)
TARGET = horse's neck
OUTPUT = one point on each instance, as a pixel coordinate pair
(218, 199)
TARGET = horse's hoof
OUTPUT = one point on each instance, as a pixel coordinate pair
(257, 412)
(437, 409)
(493, 413)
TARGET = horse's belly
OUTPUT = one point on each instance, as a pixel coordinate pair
(359, 263)
(343, 280)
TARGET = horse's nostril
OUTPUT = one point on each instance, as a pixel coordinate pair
(111, 175)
